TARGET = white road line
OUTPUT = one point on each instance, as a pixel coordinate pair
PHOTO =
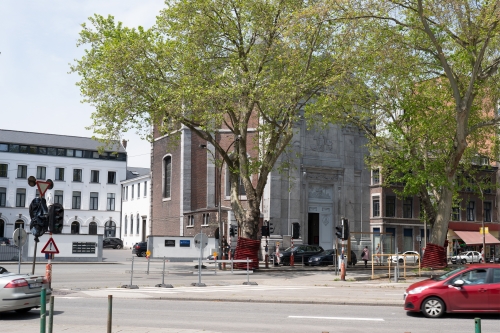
(336, 318)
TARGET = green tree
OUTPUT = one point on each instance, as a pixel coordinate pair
(424, 89)
(212, 64)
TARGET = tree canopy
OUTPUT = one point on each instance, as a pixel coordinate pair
(212, 64)
(425, 89)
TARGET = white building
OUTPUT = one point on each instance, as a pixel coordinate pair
(135, 206)
(86, 183)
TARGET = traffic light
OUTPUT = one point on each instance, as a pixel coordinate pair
(338, 233)
(295, 230)
(56, 218)
(265, 231)
(39, 220)
(231, 231)
(345, 224)
(217, 235)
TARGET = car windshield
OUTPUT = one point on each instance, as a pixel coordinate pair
(447, 275)
(290, 249)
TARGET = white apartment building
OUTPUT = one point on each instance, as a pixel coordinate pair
(135, 206)
(86, 182)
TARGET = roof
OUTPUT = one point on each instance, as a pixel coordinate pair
(476, 238)
(136, 172)
(54, 140)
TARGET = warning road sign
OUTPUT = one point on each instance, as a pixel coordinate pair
(50, 247)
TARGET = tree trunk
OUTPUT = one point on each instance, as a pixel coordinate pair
(440, 227)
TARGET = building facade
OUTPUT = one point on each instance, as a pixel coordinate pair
(327, 179)
(136, 204)
(86, 182)
(396, 222)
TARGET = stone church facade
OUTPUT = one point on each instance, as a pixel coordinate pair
(327, 179)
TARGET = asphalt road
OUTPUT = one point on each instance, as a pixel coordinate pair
(142, 315)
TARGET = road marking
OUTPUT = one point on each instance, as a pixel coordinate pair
(68, 297)
(336, 318)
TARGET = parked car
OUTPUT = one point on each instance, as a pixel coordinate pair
(412, 257)
(472, 288)
(115, 243)
(300, 252)
(21, 292)
(140, 249)
(326, 258)
(467, 257)
(4, 241)
(495, 260)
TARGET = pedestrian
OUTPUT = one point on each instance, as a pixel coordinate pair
(365, 256)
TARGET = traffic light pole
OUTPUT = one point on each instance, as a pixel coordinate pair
(342, 264)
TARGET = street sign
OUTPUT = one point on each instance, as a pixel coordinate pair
(50, 247)
(201, 240)
(42, 187)
(19, 237)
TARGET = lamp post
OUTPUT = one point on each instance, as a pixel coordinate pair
(219, 204)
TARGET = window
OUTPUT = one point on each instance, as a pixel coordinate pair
(4, 147)
(126, 192)
(190, 221)
(131, 225)
(408, 208)
(110, 229)
(125, 229)
(111, 177)
(23, 149)
(14, 148)
(455, 213)
(138, 191)
(51, 151)
(487, 212)
(77, 200)
(22, 171)
(61, 152)
(470, 211)
(111, 202)
(389, 242)
(241, 188)
(145, 188)
(78, 153)
(75, 228)
(167, 175)
(137, 225)
(58, 197)
(3, 196)
(375, 176)
(92, 228)
(94, 200)
(77, 175)
(94, 176)
(132, 193)
(390, 206)
(69, 152)
(59, 174)
(407, 239)
(41, 172)
(206, 219)
(3, 170)
(42, 150)
(21, 197)
(376, 206)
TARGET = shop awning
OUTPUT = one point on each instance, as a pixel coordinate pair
(476, 238)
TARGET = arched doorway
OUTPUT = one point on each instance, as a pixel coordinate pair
(75, 227)
(92, 228)
(2, 228)
(19, 224)
(110, 229)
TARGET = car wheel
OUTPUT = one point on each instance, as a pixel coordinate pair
(433, 307)
(401, 261)
(143, 253)
(23, 310)
(480, 261)
(464, 261)
(118, 247)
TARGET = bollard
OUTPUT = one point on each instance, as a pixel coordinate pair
(477, 322)
(51, 314)
(42, 309)
(148, 265)
(132, 271)
(110, 312)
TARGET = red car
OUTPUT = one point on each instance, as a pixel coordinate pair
(471, 288)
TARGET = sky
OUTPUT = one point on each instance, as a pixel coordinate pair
(37, 44)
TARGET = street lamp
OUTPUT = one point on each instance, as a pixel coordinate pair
(221, 227)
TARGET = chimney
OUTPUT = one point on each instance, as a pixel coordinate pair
(124, 143)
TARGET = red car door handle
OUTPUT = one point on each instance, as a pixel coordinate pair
(482, 290)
